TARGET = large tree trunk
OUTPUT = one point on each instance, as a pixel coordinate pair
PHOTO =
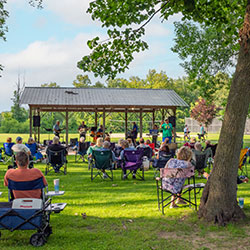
(219, 198)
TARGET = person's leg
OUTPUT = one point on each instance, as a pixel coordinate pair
(172, 204)
(170, 139)
(124, 174)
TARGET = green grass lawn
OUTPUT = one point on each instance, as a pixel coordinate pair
(124, 215)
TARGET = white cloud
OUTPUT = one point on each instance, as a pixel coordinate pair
(73, 11)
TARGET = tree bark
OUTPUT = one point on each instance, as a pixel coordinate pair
(219, 198)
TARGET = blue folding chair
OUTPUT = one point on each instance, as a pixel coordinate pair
(28, 213)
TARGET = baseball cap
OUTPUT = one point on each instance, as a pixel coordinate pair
(19, 138)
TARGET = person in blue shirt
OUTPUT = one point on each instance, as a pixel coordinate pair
(134, 133)
(56, 129)
(202, 133)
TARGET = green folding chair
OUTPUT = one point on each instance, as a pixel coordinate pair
(101, 165)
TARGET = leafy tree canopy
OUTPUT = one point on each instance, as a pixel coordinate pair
(50, 85)
(112, 56)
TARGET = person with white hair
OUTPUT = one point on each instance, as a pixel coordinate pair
(56, 146)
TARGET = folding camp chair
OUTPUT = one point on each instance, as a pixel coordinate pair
(29, 213)
(34, 152)
(176, 173)
(133, 162)
(81, 150)
(7, 156)
(243, 161)
(101, 161)
(202, 159)
(160, 163)
(55, 161)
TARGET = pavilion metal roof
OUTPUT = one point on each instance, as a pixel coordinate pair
(74, 99)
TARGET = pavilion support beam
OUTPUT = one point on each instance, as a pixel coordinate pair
(38, 129)
(174, 127)
(67, 127)
(126, 123)
(163, 114)
(103, 122)
(96, 118)
(30, 116)
(153, 118)
(140, 123)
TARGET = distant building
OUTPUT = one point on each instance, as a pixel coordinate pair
(215, 127)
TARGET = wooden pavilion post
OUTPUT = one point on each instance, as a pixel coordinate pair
(174, 128)
(153, 118)
(30, 116)
(96, 118)
(103, 122)
(126, 123)
(67, 127)
(140, 123)
(38, 129)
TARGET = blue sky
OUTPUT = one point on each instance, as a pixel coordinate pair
(45, 45)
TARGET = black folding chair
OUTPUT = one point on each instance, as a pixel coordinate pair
(176, 173)
(55, 161)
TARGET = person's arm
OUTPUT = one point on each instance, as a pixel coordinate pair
(161, 124)
(6, 178)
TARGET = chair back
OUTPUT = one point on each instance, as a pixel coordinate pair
(73, 142)
(201, 158)
(112, 145)
(83, 146)
(162, 161)
(7, 148)
(147, 151)
(25, 185)
(243, 153)
(177, 172)
(32, 147)
(102, 158)
(133, 155)
(56, 157)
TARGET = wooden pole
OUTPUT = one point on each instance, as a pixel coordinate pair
(67, 128)
(153, 118)
(95, 118)
(103, 123)
(30, 116)
(174, 127)
(140, 123)
(126, 123)
(38, 129)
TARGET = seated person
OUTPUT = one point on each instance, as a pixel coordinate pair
(33, 147)
(130, 142)
(99, 144)
(118, 148)
(198, 146)
(106, 146)
(212, 146)
(142, 144)
(174, 185)
(82, 147)
(191, 143)
(151, 145)
(55, 146)
(107, 138)
(22, 173)
(20, 147)
(125, 146)
(163, 152)
(7, 146)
